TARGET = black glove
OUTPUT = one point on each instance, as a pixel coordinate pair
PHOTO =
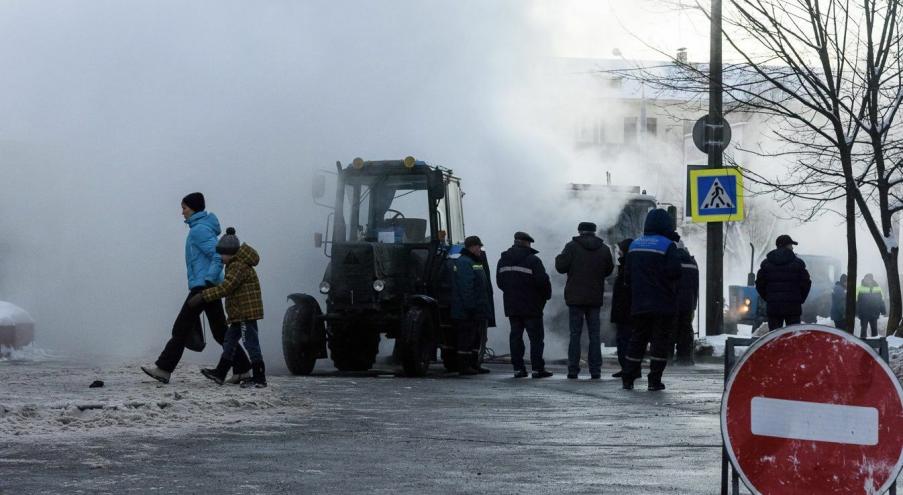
(209, 284)
(195, 300)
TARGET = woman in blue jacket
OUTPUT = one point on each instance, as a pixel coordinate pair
(205, 269)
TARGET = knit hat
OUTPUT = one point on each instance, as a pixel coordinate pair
(229, 243)
(195, 201)
(586, 227)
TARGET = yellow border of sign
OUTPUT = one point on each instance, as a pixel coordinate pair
(694, 195)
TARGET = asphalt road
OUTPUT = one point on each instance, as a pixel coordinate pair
(375, 433)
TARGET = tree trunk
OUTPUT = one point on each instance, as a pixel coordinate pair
(850, 314)
(894, 294)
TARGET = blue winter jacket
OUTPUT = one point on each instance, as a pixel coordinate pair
(653, 265)
(203, 264)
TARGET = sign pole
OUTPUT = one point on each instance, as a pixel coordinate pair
(714, 287)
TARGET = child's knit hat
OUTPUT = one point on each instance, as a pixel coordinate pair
(229, 243)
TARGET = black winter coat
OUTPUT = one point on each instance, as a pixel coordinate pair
(688, 288)
(654, 267)
(783, 282)
(838, 301)
(587, 262)
(620, 295)
(524, 282)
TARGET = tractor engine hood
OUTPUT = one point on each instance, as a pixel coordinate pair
(356, 266)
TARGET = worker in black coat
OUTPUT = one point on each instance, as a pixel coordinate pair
(587, 261)
(687, 298)
(525, 285)
(839, 303)
(653, 265)
(620, 307)
(784, 283)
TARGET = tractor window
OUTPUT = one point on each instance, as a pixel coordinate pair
(389, 209)
(455, 219)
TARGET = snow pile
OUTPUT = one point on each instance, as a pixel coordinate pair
(896, 355)
(54, 401)
(27, 353)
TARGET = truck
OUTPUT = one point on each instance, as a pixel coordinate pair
(396, 227)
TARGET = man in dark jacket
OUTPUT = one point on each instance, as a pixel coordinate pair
(839, 302)
(526, 288)
(784, 283)
(869, 305)
(620, 307)
(653, 265)
(470, 304)
(587, 261)
(687, 297)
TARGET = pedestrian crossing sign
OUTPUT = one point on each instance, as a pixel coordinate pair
(716, 195)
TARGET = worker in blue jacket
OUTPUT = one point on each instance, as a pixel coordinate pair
(653, 264)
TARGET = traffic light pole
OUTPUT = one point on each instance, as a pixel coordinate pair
(714, 286)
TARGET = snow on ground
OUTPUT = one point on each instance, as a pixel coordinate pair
(29, 353)
(717, 343)
(51, 400)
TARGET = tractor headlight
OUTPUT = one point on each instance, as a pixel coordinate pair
(744, 309)
(747, 302)
(379, 285)
(324, 287)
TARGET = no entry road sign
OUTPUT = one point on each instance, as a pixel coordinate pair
(716, 195)
(812, 409)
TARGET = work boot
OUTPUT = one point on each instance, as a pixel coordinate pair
(156, 373)
(655, 386)
(520, 374)
(542, 374)
(467, 370)
(259, 380)
(627, 379)
(238, 378)
(218, 374)
(618, 374)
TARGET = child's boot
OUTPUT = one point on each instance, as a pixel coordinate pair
(218, 374)
(259, 380)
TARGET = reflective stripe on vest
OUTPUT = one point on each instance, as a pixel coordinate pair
(651, 244)
(520, 269)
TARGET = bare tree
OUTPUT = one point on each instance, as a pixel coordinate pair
(828, 75)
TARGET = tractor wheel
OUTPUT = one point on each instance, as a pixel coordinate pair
(301, 337)
(353, 350)
(417, 342)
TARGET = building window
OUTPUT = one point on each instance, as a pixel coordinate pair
(630, 129)
(651, 126)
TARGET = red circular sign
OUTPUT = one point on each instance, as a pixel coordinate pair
(812, 409)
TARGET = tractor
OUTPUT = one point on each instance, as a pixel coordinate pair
(397, 226)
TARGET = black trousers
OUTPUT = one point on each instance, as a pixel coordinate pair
(654, 331)
(623, 333)
(188, 321)
(682, 337)
(865, 324)
(469, 334)
(775, 322)
(536, 334)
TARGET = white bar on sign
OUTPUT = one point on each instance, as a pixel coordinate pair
(814, 421)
